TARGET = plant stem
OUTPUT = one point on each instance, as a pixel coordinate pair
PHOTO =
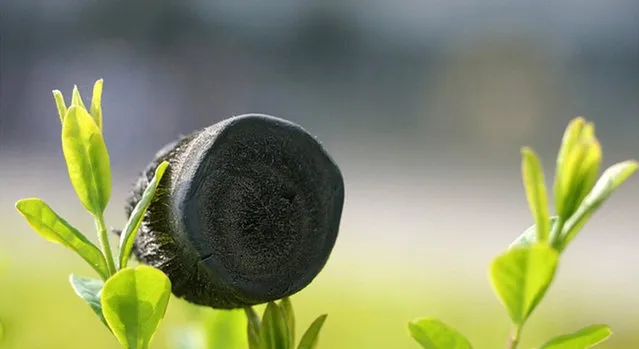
(513, 341)
(555, 233)
(104, 243)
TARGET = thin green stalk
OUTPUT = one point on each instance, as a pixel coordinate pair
(513, 342)
(555, 233)
(104, 243)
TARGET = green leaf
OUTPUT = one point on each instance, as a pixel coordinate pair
(87, 160)
(273, 333)
(96, 103)
(311, 336)
(610, 180)
(289, 315)
(529, 237)
(89, 289)
(127, 237)
(521, 277)
(252, 328)
(59, 102)
(76, 100)
(585, 338)
(225, 329)
(434, 334)
(533, 176)
(53, 228)
(134, 301)
(562, 177)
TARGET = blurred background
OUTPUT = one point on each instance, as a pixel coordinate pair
(423, 104)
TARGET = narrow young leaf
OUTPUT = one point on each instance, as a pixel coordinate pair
(610, 180)
(585, 338)
(127, 237)
(89, 289)
(224, 329)
(96, 103)
(134, 301)
(311, 336)
(434, 334)
(76, 100)
(289, 315)
(252, 328)
(570, 138)
(87, 160)
(529, 236)
(274, 333)
(533, 176)
(521, 276)
(53, 228)
(59, 102)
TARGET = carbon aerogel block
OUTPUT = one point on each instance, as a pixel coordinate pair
(247, 212)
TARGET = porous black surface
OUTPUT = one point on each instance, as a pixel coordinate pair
(247, 212)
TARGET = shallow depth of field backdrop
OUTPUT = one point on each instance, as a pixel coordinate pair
(423, 104)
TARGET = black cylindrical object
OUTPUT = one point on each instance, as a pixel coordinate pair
(247, 212)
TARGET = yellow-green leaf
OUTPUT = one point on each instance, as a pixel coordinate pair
(521, 276)
(310, 339)
(585, 338)
(96, 103)
(76, 99)
(53, 228)
(434, 334)
(134, 301)
(570, 138)
(59, 102)
(533, 176)
(133, 225)
(87, 159)
(610, 180)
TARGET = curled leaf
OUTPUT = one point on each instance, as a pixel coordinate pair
(127, 237)
(87, 159)
(96, 103)
(59, 102)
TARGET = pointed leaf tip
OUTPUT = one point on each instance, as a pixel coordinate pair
(127, 237)
(310, 339)
(521, 277)
(96, 103)
(585, 338)
(60, 104)
(536, 194)
(87, 160)
(434, 334)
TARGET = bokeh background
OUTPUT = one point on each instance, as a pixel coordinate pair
(424, 105)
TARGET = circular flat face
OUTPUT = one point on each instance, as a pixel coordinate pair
(263, 207)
